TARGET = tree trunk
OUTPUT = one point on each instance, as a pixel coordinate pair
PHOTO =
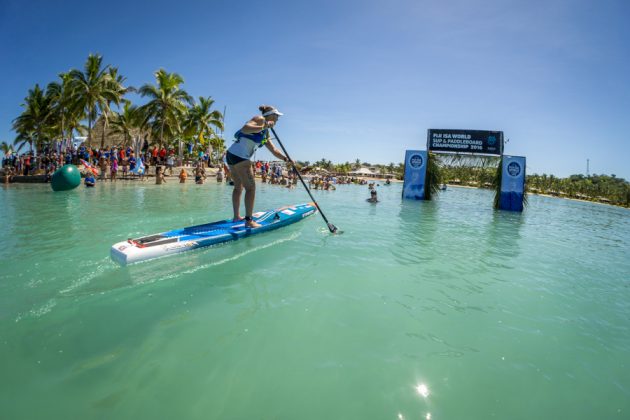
(161, 134)
(62, 131)
(89, 139)
(103, 135)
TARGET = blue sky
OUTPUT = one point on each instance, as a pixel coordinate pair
(360, 79)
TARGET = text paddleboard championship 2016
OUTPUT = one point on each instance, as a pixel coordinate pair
(465, 141)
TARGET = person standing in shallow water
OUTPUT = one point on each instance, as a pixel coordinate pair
(373, 198)
(252, 136)
(159, 175)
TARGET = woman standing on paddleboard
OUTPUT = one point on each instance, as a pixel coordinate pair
(253, 135)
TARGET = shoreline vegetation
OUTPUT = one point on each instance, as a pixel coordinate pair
(604, 189)
(92, 103)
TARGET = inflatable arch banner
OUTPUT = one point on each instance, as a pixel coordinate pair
(482, 142)
(512, 183)
(415, 174)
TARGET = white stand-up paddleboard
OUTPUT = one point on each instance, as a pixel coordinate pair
(187, 239)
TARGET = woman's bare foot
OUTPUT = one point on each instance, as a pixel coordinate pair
(238, 219)
(252, 224)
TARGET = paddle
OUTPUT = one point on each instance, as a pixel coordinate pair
(331, 227)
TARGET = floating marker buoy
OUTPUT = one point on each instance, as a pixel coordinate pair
(66, 178)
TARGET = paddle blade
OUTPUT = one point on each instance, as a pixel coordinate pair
(333, 228)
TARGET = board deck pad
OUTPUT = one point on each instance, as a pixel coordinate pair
(186, 239)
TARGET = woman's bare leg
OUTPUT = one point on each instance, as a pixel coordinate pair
(236, 194)
(245, 174)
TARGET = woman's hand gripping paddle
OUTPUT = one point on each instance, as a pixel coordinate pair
(331, 227)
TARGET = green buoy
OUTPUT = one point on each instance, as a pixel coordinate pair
(65, 178)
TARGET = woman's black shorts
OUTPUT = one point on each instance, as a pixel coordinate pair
(232, 159)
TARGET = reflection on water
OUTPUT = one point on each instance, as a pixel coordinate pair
(139, 197)
(417, 228)
(503, 238)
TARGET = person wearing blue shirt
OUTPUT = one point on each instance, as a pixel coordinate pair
(132, 162)
(89, 180)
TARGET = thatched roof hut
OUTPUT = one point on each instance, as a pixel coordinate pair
(110, 138)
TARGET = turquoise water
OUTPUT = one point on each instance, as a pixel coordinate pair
(441, 310)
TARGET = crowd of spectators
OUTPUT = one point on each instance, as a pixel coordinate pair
(117, 162)
(109, 160)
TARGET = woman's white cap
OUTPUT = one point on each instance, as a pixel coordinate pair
(273, 111)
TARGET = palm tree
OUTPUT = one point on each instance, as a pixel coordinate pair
(202, 120)
(166, 110)
(6, 148)
(400, 170)
(200, 123)
(343, 168)
(126, 121)
(116, 84)
(218, 146)
(32, 125)
(93, 90)
(65, 117)
(21, 141)
(433, 177)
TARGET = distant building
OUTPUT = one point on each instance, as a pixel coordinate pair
(362, 172)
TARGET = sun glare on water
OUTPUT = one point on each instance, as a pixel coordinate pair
(423, 390)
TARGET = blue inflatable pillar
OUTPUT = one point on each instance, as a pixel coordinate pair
(512, 183)
(415, 174)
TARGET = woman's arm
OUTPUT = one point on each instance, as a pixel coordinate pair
(274, 151)
(255, 125)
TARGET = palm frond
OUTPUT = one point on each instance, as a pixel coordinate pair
(433, 177)
(496, 183)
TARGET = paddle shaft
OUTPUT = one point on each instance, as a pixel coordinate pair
(331, 227)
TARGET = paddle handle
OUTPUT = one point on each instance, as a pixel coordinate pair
(331, 227)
